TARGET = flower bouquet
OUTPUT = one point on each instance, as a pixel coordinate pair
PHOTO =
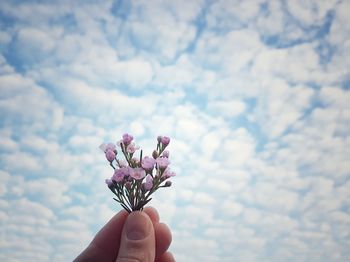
(135, 179)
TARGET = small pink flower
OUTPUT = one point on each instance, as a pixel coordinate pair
(137, 173)
(127, 139)
(131, 148)
(109, 182)
(149, 183)
(162, 162)
(168, 173)
(120, 173)
(123, 163)
(110, 155)
(110, 146)
(103, 147)
(165, 140)
(148, 163)
(125, 170)
(165, 154)
(135, 160)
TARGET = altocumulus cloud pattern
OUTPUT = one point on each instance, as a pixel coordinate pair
(254, 94)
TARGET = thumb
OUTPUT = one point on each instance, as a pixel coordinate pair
(137, 239)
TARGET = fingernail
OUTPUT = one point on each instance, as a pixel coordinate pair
(137, 226)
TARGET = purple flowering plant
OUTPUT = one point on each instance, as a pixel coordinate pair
(135, 179)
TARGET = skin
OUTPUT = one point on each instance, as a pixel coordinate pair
(112, 244)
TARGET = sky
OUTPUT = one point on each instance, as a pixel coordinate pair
(254, 95)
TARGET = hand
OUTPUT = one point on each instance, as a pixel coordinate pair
(134, 237)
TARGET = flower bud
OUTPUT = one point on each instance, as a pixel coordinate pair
(167, 184)
(148, 184)
(109, 182)
(128, 185)
(127, 139)
(165, 141)
(159, 139)
(155, 154)
(135, 161)
(168, 173)
(103, 147)
(123, 163)
(131, 148)
(110, 155)
(162, 163)
(110, 146)
(148, 163)
(165, 154)
(119, 174)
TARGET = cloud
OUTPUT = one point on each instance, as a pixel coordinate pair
(334, 97)
(37, 43)
(8, 144)
(283, 105)
(310, 13)
(253, 94)
(19, 102)
(148, 29)
(4, 176)
(300, 64)
(42, 188)
(226, 15)
(228, 109)
(111, 102)
(28, 162)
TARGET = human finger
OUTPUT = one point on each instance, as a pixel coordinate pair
(163, 238)
(152, 213)
(166, 257)
(137, 242)
(105, 245)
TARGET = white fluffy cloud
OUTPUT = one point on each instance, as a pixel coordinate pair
(254, 95)
(310, 13)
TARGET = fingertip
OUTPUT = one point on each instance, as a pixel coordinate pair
(137, 239)
(163, 238)
(112, 230)
(138, 225)
(116, 219)
(152, 213)
(105, 244)
(166, 257)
